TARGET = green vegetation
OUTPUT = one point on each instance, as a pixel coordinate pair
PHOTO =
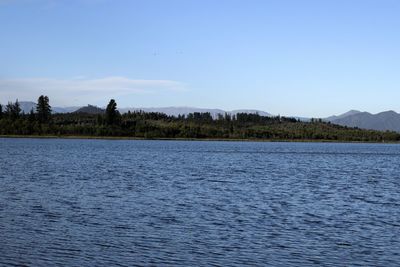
(90, 109)
(43, 109)
(159, 125)
(13, 110)
(112, 114)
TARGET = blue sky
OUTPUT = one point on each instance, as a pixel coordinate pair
(305, 58)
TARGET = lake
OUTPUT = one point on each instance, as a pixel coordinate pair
(183, 203)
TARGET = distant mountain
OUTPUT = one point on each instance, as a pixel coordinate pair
(89, 109)
(64, 109)
(27, 106)
(250, 111)
(303, 119)
(388, 120)
(348, 113)
(175, 111)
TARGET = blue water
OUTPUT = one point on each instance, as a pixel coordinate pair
(171, 203)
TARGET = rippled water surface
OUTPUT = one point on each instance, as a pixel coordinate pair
(171, 203)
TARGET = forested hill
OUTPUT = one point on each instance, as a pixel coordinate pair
(195, 125)
(90, 110)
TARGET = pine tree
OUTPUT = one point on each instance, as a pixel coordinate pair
(13, 110)
(16, 109)
(43, 109)
(112, 113)
(31, 116)
(9, 108)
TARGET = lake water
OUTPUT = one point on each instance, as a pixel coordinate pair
(181, 203)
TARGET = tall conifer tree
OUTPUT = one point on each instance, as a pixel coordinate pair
(112, 113)
(43, 109)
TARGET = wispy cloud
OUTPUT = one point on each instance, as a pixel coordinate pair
(78, 91)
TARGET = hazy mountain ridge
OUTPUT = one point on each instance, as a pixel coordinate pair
(89, 109)
(175, 111)
(383, 121)
(27, 106)
(348, 113)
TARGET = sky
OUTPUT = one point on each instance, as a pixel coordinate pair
(306, 58)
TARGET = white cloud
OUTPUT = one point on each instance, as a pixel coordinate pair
(81, 91)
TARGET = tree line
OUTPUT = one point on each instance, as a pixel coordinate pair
(139, 124)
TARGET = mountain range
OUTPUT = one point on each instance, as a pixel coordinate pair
(90, 110)
(348, 113)
(175, 111)
(383, 121)
(388, 120)
(27, 106)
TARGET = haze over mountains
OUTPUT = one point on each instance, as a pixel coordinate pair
(26, 107)
(388, 120)
(348, 113)
(383, 121)
(175, 111)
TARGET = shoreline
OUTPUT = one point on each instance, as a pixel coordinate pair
(116, 138)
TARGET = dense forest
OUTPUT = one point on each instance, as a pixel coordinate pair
(110, 123)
